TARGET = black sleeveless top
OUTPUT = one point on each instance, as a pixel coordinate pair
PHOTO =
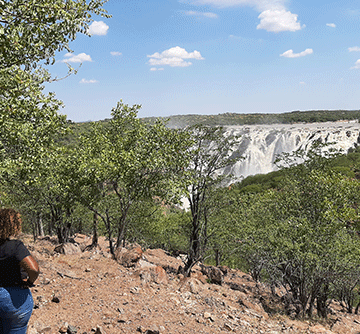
(11, 253)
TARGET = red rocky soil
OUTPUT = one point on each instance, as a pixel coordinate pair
(88, 292)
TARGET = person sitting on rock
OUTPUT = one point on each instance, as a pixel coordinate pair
(18, 272)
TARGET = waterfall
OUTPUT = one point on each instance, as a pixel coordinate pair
(260, 144)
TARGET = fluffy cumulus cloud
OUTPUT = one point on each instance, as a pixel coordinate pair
(115, 53)
(278, 20)
(80, 58)
(354, 48)
(174, 57)
(274, 16)
(357, 65)
(291, 54)
(232, 3)
(99, 28)
(331, 25)
(85, 81)
(208, 15)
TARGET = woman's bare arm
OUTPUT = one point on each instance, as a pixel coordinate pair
(31, 267)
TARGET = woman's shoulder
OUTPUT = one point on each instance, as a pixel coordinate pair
(14, 248)
(12, 243)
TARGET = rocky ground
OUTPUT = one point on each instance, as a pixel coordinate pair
(88, 292)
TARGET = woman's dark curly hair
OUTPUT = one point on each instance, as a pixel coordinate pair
(10, 223)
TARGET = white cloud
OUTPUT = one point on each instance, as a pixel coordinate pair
(354, 48)
(357, 65)
(278, 20)
(174, 57)
(99, 28)
(85, 81)
(259, 4)
(332, 25)
(202, 14)
(291, 54)
(156, 69)
(115, 53)
(274, 16)
(302, 83)
(80, 58)
(173, 62)
(177, 51)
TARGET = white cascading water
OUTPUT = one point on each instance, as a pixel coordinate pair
(260, 144)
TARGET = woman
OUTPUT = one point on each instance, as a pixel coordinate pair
(18, 271)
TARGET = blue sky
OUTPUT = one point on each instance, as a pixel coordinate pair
(214, 56)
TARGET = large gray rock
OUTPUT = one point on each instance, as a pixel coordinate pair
(67, 249)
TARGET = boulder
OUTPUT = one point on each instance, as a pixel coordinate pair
(160, 258)
(214, 274)
(67, 249)
(152, 273)
(128, 257)
(190, 284)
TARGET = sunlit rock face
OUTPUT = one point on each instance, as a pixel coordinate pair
(260, 144)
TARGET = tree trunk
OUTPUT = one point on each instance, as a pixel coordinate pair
(321, 301)
(107, 222)
(40, 226)
(194, 252)
(217, 257)
(121, 234)
(95, 240)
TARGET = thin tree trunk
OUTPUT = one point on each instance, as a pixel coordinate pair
(40, 226)
(95, 240)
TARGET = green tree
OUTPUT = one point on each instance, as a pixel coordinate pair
(31, 32)
(47, 191)
(304, 235)
(126, 164)
(210, 155)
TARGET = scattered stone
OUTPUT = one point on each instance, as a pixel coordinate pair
(67, 249)
(55, 299)
(228, 328)
(135, 290)
(237, 287)
(318, 329)
(128, 257)
(119, 300)
(142, 264)
(71, 330)
(189, 284)
(152, 273)
(224, 270)
(99, 330)
(207, 315)
(214, 274)
(63, 329)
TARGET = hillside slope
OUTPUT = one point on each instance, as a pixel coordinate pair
(87, 292)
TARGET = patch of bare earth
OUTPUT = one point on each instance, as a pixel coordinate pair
(89, 292)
